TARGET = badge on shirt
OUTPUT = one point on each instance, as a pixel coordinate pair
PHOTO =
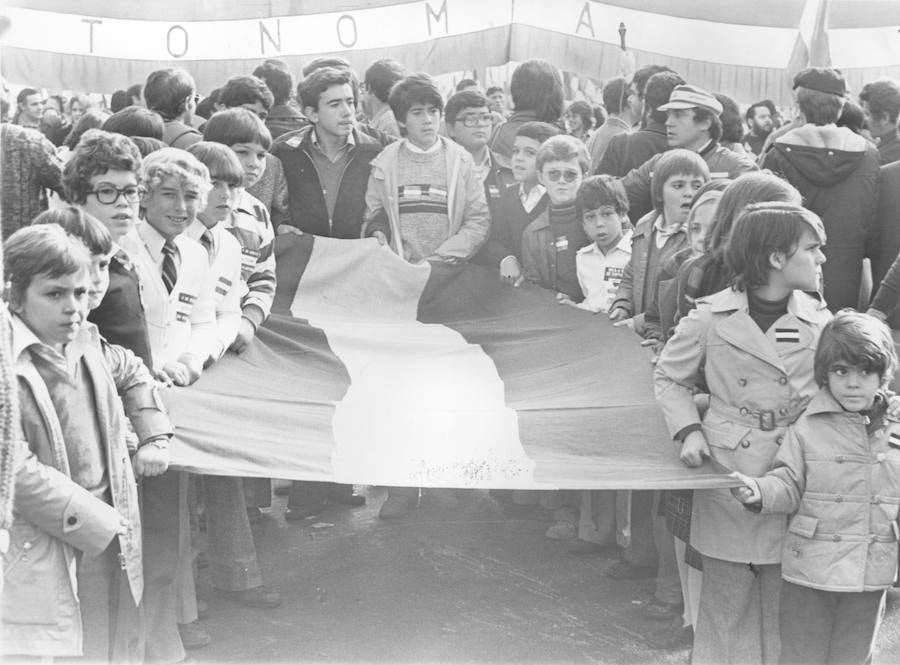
(182, 317)
(494, 191)
(561, 243)
(186, 298)
(611, 274)
(787, 335)
(894, 440)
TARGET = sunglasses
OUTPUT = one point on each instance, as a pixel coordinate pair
(553, 175)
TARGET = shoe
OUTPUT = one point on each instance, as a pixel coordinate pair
(587, 548)
(442, 498)
(674, 636)
(261, 597)
(561, 530)
(255, 515)
(345, 496)
(202, 609)
(193, 635)
(300, 513)
(395, 506)
(625, 570)
(660, 611)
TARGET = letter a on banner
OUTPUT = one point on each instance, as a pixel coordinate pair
(585, 19)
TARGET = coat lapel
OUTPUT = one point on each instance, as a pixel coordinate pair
(742, 332)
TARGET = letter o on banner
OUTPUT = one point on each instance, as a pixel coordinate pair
(346, 20)
(184, 37)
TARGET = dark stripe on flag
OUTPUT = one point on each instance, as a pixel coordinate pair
(410, 207)
(787, 335)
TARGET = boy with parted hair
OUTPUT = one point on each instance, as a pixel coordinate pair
(173, 94)
(424, 197)
(101, 178)
(73, 388)
(180, 309)
(327, 163)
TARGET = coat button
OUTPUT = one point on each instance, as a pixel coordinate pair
(72, 521)
(26, 546)
(779, 440)
(744, 411)
(839, 459)
(745, 444)
(742, 382)
(782, 380)
(838, 499)
(876, 500)
(836, 538)
(782, 412)
(880, 457)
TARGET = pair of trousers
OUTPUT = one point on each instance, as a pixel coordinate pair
(111, 620)
(641, 550)
(691, 584)
(738, 618)
(828, 627)
(167, 563)
(233, 564)
(597, 517)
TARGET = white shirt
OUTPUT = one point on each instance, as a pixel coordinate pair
(599, 274)
(228, 287)
(532, 197)
(183, 321)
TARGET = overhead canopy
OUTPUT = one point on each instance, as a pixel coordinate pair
(746, 49)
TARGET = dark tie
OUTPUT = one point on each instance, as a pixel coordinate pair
(169, 269)
(207, 241)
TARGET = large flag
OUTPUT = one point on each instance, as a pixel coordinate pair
(376, 371)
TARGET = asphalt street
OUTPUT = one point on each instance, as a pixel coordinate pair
(467, 585)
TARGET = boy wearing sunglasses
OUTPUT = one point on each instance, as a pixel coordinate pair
(101, 178)
(551, 242)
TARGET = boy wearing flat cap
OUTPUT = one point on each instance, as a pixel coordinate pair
(837, 172)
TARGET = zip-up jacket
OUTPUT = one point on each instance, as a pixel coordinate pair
(467, 208)
(308, 211)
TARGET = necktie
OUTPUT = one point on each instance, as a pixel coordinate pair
(207, 241)
(169, 269)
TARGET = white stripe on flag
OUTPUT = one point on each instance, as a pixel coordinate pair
(424, 406)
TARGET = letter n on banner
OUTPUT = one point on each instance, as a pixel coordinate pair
(265, 35)
(431, 14)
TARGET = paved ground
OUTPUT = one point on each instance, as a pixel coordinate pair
(461, 586)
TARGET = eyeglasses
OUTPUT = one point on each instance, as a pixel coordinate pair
(553, 175)
(110, 194)
(475, 119)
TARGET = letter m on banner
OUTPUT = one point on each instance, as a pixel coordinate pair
(431, 14)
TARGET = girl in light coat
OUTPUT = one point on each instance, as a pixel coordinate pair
(751, 348)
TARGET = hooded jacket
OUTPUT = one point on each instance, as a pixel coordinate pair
(837, 172)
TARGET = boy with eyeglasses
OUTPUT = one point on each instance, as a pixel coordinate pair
(551, 242)
(469, 122)
(101, 178)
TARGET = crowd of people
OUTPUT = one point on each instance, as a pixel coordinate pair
(742, 251)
